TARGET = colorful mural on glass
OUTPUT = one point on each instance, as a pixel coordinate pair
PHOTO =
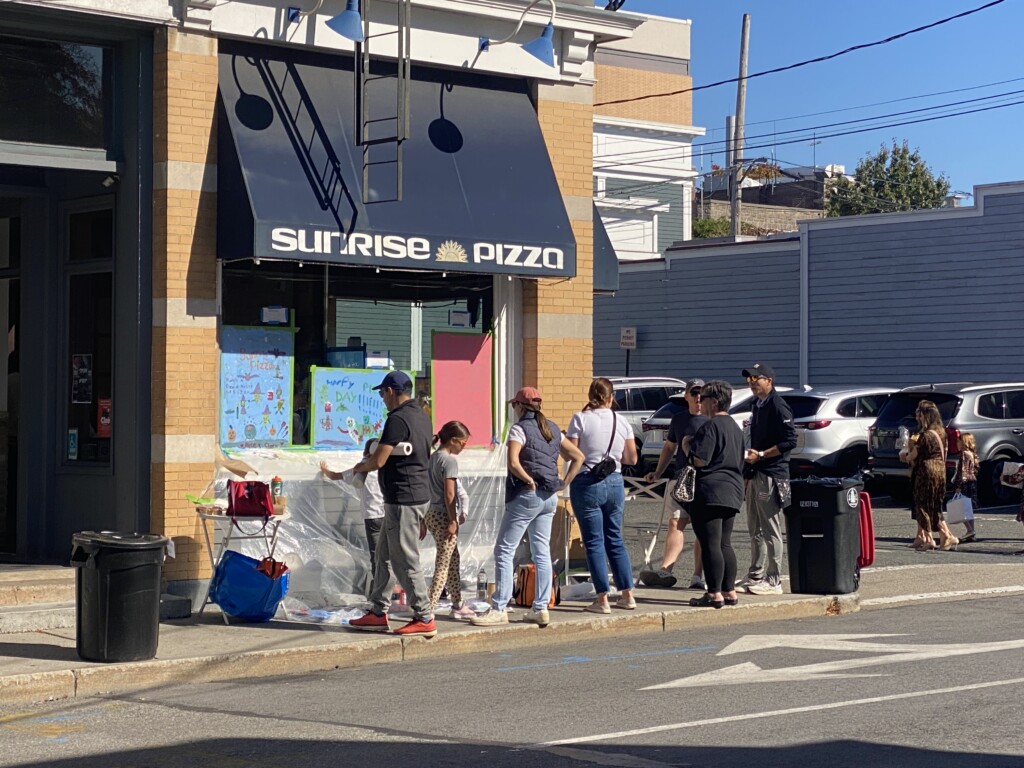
(256, 375)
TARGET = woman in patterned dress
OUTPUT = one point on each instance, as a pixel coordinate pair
(927, 457)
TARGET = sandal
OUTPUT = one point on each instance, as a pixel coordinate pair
(731, 600)
(705, 601)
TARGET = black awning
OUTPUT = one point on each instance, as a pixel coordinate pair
(606, 262)
(479, 192)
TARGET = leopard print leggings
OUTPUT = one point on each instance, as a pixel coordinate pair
(447, 563)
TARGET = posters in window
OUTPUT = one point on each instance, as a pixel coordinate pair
(256, 377)
(81, 378)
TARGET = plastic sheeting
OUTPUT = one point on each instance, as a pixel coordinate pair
(322, 538)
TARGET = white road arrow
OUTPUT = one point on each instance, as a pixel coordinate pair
(749, 672)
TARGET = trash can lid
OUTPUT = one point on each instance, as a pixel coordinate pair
(119, 540)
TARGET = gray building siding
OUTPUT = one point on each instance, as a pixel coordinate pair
(670, 224)
(383, 327)
(707, 315)
(918, 301)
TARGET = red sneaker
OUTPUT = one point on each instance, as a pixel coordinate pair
(371, 622)
(417, 628)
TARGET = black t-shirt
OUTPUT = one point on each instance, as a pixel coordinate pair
(682, 425)
(719, 444)
(406, 479)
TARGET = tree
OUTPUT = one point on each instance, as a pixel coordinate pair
(894, 179)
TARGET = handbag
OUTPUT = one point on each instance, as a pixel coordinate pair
(959, 509)
(686, 485)
(272, 568)
(249, 498)
(526, 588)
(245, 592)
(606, 466)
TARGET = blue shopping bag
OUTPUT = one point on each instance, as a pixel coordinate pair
(243, 592)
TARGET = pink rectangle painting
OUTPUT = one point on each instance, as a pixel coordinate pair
(462, 383)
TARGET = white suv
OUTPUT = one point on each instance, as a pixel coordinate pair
(638, 397)
(832, 429)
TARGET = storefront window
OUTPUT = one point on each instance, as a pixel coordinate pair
(10, 378)
(53, 92)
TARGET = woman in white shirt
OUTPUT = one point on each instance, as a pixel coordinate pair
(598, 494)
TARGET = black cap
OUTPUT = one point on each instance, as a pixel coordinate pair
(759, 369)
(396, 380)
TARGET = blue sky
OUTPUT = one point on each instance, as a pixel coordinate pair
(983, 48)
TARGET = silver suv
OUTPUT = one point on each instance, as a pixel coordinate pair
(638, 397)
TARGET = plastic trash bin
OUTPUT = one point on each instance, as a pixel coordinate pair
(117, 594)
(823, 535)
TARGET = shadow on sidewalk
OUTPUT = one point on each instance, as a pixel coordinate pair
(38, 651)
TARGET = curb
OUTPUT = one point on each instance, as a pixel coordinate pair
(131, 677)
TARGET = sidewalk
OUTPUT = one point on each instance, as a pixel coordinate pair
(44, 665)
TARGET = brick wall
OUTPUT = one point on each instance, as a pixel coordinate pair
(614, 83)
(185, 351)
(768, 218)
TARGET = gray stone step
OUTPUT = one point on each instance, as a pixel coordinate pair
(29, 592)
(36, 617)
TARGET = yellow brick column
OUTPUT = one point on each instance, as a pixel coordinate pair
(558, 346)
(185, 350)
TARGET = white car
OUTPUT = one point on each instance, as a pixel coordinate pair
(832, 429)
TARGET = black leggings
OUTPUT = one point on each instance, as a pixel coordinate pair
(713, 526)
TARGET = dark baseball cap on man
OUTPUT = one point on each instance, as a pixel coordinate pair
(759, 369)
(396, 380)
(694, 384)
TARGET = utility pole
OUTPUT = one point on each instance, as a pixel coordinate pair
(737, 144)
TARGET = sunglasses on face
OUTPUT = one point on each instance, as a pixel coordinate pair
(695, 391)
(751, 379)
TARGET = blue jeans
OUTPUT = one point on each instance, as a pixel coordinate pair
(598, 506)
(529, 512)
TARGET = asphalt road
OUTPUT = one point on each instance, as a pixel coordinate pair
(927, 685)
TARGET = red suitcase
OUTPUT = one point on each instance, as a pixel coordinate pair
(867, 532)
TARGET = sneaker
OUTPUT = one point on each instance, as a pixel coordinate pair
(626, 605)
(598, 607)
(540, 618)
(371, 622)
(490, 619)
(747, 580)
(417, 628)
(698, 583)
(662, 578)
(765, 588)
(465, 613)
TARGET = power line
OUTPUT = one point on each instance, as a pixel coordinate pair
(774, 134)
(817, 60)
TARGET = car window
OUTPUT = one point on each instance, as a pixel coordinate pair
(848, 408)
(900, 407)
(991, 405)
(621, 400)
(669, 409)
(650, 398)
(803, 405)
(1015, 404)
(745, 407)
(869, 405)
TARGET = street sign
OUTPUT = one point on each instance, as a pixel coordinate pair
(627, 337)
(891, 653)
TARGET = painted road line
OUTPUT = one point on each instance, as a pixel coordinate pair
(1016, 589)
(780, 713)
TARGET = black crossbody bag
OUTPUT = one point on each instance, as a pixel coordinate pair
(606, 466)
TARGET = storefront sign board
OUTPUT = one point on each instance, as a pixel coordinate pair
(346, 410)
(256, 377)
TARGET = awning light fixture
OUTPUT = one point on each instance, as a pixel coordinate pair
(541, 48)
(348, 23)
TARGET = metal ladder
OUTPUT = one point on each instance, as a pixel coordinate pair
(382, 138)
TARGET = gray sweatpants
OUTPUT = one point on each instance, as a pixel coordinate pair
(398, 549)
(764, 521)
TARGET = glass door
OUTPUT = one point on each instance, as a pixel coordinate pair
(10, 373)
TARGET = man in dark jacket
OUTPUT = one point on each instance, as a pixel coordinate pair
(772, 437)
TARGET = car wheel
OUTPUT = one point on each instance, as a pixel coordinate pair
(990, 490)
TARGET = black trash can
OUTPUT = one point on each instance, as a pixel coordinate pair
(117, 594)
(823, 535)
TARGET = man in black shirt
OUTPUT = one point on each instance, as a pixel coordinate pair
(405, 485)
(772, 437)
(684, 423)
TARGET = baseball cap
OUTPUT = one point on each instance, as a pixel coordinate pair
(759, 369)
(693, 383)
(396, 380)
(527, 396)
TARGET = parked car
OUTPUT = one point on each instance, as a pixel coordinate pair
(743, 404)
(832, 429)
(638, 397)
(993, 413)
